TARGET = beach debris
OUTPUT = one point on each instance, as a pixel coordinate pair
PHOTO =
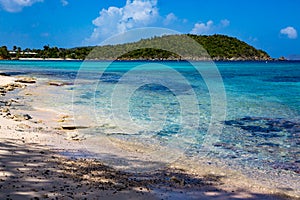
(8, 115)
(22, 127)
(9, 102)
(72, 127)
(74, 136)
(63, 118)
(5, 109)
(14, 101)
(3, 103)
(10, 87)
(27, 117)
(59, 83)
(21, 117)
(2, 91)
(26, 80)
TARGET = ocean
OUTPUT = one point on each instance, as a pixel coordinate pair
(246, 114)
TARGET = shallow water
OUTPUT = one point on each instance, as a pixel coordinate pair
(179, 105)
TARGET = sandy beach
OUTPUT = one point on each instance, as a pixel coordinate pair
(39, 161)
(5, 80)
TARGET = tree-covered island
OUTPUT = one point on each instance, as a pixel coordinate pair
(218, 47)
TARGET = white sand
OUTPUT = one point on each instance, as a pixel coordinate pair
(5, 80)
(32, 167)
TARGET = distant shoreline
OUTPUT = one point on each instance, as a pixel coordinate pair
(169, 47)
(47, 59)
(150, 60)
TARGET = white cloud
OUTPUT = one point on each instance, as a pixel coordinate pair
(225, 22)
(64, 2)
(114, 20)
(170, 18)
(202, 28)
(17, 5)
(290, 32)
(209, 27)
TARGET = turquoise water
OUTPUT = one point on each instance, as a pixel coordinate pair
(180, 104)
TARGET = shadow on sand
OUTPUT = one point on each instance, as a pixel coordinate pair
(30, 171)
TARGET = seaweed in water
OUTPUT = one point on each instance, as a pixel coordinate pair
(265, 125)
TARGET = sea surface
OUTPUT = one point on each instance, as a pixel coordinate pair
(246, 114)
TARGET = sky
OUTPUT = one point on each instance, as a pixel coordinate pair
(273, 26)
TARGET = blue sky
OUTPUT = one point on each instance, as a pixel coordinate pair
(273, 26)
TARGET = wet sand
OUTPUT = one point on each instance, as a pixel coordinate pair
(41, 161)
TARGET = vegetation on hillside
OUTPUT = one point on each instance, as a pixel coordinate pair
(174, 47)
(4, 54)
(222, 47)
(170, 47)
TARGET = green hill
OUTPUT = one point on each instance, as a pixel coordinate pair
(225, 47)
(184, 47)
(169, 47)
